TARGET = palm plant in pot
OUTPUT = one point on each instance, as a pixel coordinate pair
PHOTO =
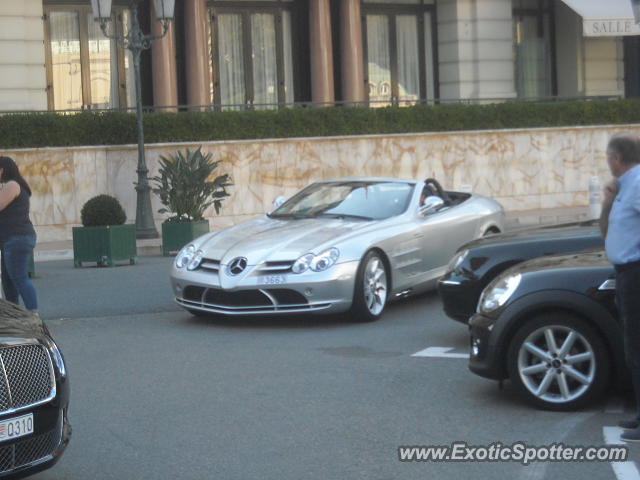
(103, 238)
(187, 185)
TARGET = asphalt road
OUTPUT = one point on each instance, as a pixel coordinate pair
(159, 394)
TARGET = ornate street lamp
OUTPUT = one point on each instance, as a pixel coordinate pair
(136, 41)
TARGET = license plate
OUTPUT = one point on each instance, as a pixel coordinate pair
(16, 427)
(274, 279)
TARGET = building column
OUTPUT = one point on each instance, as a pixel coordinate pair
(198, 73)
(322, 88)
(475, 49)
(352, 60)
(163, 63)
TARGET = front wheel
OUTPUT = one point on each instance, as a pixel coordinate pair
(558, 362)
(371, 288)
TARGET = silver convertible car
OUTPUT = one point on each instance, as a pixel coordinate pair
(337, 245)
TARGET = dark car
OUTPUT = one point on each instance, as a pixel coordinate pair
(34, 395)
(480, 261)
(551, 326)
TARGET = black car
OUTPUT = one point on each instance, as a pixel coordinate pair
(480, 261)
(34, 395)
(551, 326)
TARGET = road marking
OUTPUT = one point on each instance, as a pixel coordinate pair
(614, 405)
(623, 470)
(439, 352)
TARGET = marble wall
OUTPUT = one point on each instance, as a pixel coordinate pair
(523, 169)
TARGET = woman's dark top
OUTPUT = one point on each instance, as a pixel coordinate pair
(14, 219)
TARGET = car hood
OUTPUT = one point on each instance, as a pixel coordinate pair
(17, 322)
(548, 233)
(280, 240)
(590, 259)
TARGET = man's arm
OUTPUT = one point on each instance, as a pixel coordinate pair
(610, 192)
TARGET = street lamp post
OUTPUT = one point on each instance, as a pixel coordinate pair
(635, 5)
(136, 41)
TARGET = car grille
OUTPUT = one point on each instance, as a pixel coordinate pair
(210, 265)
(246, 301)
(26, 377)
(30, 450)
(213, 265)
(276, 267)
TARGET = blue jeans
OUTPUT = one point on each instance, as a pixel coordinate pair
(16, 283)
(628, 302)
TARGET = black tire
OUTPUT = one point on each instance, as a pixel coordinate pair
(362, 309)
(587, 359)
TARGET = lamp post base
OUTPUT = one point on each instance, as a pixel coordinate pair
(145, 227)
(144, 233)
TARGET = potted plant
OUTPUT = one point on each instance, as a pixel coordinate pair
(187, 186)
(103, 238)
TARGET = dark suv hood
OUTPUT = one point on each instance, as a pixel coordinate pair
(566, 232)
(17, 322)
(594, 259)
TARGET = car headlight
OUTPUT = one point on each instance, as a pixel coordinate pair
(185, 255)
(302, 264)
(497, 294)
(457, 260)
(316, 263)
(56, 357)
(324, 260)
(195, 261)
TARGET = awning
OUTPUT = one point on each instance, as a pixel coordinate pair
(605, 18)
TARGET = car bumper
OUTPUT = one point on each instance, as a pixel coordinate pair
(485, 359)
(322, 292)
(40, 450)
(459, 297)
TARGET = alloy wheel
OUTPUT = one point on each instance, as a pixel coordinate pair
(556, 363)
(375, 285)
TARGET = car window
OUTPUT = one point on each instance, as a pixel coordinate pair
(367, 200)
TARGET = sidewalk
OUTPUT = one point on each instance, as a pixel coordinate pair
(63, 250)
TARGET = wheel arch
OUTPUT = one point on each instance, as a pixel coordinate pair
(490, 228)
(573, 304)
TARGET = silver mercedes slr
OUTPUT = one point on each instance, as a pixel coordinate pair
(342, 245)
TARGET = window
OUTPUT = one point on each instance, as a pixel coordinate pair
(84, 68)
(533, 53)
(252, 54)
(399, 57)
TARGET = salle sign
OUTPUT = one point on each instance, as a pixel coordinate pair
(610, 27)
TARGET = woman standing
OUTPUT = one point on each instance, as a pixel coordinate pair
(17, 235)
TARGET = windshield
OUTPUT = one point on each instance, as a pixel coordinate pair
(354, 199)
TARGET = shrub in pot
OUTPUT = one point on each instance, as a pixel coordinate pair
(187, 186)
(104, 238)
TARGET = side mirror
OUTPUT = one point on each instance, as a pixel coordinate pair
(278, 201)
(431, 204)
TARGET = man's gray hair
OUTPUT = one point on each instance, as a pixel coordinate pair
(627, 145)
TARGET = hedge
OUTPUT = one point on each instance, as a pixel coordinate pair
(28, 130)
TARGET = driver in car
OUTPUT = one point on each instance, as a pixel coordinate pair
(427, 191)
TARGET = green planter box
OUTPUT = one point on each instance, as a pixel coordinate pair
(176, 235)
(108, 244)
